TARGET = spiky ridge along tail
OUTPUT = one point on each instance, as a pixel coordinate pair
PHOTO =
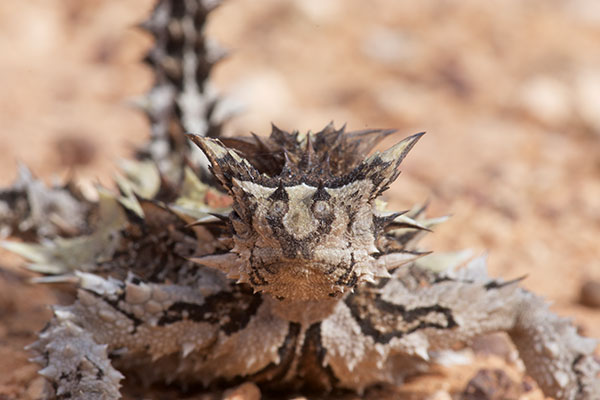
(182, 98)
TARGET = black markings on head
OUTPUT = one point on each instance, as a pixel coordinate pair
(279, 204)
(290, 246)
(377, 165)
(321, 194)
(351, 212)
(320, 206)
(255, 276)
(232, 168)
(246, 206)
(349, 277)
(280, 194)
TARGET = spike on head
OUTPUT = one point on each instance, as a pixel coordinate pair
(299, 236)
(226, 164)
(382, 168)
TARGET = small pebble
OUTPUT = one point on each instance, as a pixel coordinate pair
(546, 99)
(590, 294)
(74, 150)
(246, 391)
(36, 388)
(491, 384)
(440, 395)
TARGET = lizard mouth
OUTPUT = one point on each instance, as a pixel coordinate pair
(302, 280)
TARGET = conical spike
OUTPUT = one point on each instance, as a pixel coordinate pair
(289, 166)
(308, 158)
(226, 163)
(327, 129)
(228, 262)
(276, 132)
(382, 168)
(383, 221)
(394, 260)
(399, 151)
(402, 221)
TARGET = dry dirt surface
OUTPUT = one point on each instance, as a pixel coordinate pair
(509, 93)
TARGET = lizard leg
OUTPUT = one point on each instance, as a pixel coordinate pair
(75, 365)
(401, 323)
(556, 356)
(112, 319)
(158, 332)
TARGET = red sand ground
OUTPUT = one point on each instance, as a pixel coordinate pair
(509, 95)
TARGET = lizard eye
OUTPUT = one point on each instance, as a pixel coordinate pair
(321, 209)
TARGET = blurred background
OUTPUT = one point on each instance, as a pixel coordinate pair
(508, 92)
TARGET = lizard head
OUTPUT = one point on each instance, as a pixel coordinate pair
(298, 235)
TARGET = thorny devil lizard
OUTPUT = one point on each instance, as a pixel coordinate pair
(282, 267)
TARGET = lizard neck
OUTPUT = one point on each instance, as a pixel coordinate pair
(305, 312)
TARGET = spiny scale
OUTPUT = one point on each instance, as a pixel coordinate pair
(282, 269)
(328, 152)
